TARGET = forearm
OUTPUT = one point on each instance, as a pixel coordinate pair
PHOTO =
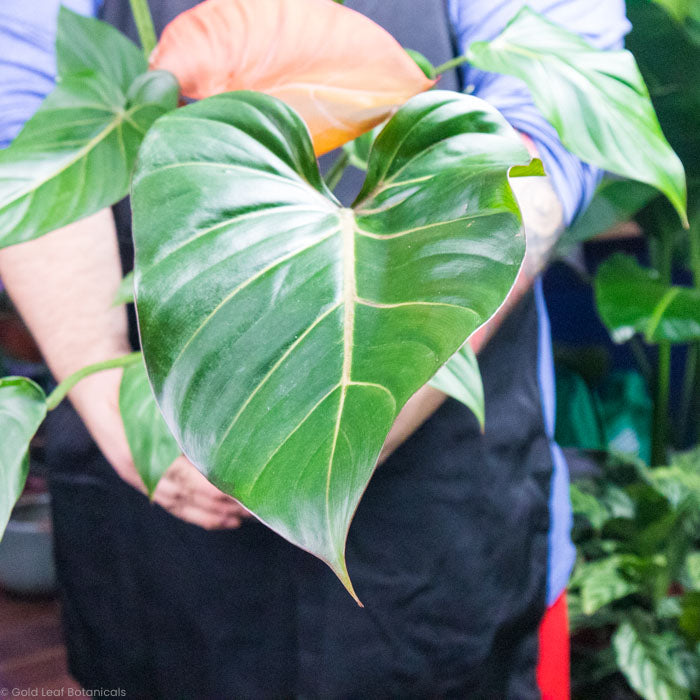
(63, 285)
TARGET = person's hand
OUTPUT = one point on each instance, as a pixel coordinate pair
(183, 490)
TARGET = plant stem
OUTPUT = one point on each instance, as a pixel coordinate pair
(144, 25)
(693, 383)
(335, 172)
(59, 393)
(690, 375)
(449, 65)
(659, 438)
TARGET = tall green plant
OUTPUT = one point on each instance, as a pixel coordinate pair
(632, 299)
(282, 332)
(635, 594)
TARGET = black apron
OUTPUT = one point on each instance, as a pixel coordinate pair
(448, 550)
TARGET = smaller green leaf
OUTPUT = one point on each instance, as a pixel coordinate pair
(125, 293)
(606, 580)
(588, 506)
(22, 409)
(677, 485)
(678, 9)
(423, 63)
(631, 299)
(596, 100)
(460, 378)
(691, 574)
(153, 448)
(646, 662)
(75, 155)
(88, 44)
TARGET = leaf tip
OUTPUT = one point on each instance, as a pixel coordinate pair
(340, 569)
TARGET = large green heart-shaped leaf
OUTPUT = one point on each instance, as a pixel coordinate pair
(597, 101)
(632, 299)
(282, 332)
(22, 409)
(76, 154)
(153, 448)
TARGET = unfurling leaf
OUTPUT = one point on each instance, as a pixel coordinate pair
(460, 378)
(339, 70)
(22, 409)
(632, 299)
(282, 332)
(153, 448)
(76, 154)
(596, 100)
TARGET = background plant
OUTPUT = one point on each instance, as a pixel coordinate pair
(635, 593)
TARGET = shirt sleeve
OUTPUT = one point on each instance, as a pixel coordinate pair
(601, 23)
(27, 57)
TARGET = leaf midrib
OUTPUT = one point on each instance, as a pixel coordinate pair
(119, 118)
(347, 232)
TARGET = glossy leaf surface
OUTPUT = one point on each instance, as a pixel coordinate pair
(153, 447)
(632, 299)
(283, 333)
(460, 378)
(670, 63)
(597, 101)
(339, 70)
(22, 409)
(76, 154)
(86, 44)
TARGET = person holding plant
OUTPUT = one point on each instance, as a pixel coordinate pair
(462, 538)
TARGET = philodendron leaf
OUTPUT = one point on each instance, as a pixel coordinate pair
(596, 100)
(153, 448)
(632, 299)
(460, 378)
(339, 70)
(22, 409)
(87, 44)
(282, 332)
(76, 154)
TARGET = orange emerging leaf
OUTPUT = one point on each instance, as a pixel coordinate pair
(343, 73)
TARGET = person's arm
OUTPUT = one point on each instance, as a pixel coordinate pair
(548, 204)
(63, 284)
